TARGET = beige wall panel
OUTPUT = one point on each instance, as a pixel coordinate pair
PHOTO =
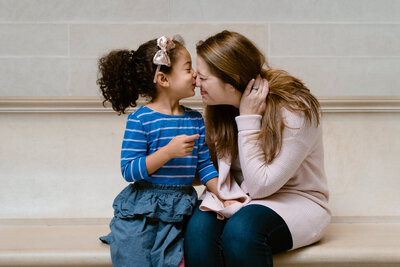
(93, 40)
(295, 10)
(361, 158)
(366, 40)
(344, 76)
(59, 165)
(83, 10)
(83, 77)
(33, 40)
(199, 11)
(34, 76)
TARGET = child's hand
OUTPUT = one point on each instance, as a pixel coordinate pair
(181, 145)
(230, 202)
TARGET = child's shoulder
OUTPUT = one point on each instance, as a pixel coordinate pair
(140, 113)
(192, 113)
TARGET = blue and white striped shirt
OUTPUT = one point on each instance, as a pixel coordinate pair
(147, 131)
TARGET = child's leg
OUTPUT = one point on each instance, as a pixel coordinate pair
(168, 245)
(132, 242)
(182, 263)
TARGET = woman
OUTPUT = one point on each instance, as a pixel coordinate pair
(267, 137)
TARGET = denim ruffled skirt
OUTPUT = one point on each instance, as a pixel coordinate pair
(147, 226)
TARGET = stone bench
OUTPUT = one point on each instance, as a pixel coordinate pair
(75, 242)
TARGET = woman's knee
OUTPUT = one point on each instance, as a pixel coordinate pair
(256, 227)
(201, 224)
(244, 247)
(243, 244)
(236, 234)
(202, 239)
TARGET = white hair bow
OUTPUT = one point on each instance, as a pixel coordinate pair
(161, 57)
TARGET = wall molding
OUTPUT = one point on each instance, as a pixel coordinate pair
(340, 104)
(360, 104)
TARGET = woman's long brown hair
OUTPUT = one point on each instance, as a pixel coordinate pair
(236, 60)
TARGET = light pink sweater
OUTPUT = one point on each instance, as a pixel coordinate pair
(293, 185)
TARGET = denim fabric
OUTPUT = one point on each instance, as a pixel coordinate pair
(147, 226)
(248, 238)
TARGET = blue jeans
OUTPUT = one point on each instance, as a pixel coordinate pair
(248, 238)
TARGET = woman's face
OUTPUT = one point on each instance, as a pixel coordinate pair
(213, 90)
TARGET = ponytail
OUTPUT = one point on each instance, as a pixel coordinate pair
(117, 75)
(125, 75)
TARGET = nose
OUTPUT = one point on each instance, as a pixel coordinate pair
(198, 83)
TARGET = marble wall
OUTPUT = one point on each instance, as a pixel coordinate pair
(67, 164)
(60, 162)
(340, 47)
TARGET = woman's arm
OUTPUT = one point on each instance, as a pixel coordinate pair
(264, 179)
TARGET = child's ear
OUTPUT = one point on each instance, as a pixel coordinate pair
(162, 79)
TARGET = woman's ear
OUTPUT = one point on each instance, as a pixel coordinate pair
(230, 88)
(162, 79)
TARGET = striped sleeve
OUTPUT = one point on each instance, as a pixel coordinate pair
(134, 151)
(205, 168)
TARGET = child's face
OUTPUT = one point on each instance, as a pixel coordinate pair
(182, 77)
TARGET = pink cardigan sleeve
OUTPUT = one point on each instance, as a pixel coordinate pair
(262, 179)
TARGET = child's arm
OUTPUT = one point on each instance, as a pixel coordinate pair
(206, 171)
(196, 181)
(180, 146)
(134, 150)
(212, 186)
(136, 164)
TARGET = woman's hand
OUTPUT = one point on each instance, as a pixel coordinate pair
(230, 202)
(254, 98)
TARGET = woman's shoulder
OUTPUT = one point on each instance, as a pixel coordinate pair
(296, 119)
(297, 124)
(292, 119)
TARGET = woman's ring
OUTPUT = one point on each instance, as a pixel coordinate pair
(254, 88)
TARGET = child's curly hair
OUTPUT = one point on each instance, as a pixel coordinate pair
(125, 75)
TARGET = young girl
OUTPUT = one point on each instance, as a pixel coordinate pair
(162, 151)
